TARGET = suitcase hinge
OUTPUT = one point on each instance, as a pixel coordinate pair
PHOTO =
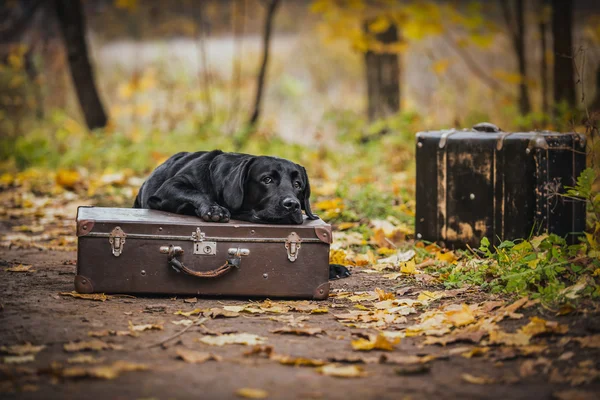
(202, 246)
(292, 245)
(117, 241)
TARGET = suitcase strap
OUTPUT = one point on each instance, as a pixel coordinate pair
(232, 262)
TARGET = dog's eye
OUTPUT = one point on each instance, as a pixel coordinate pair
(297, 185)
(267, 180)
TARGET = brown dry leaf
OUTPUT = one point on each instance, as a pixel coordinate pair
(20, 268)
(463, 335)
(197, 357)
(538, 326)
(221, 313)
(195, 311)
(489, 306)
(247, 339)
(405, 359)
(106, 332)
(192, 300)
(259, 351)
(509, 339)
(461, 317)
(252, 393)
(103, 372)
(475, 352)
(379, 342)
(592, 341)
(509, 311)
(575, 395)
(84, 359)
(574, 376)
(22, 349)
(341, 371)
(19, 359)
(299, 331)
(94, 345)
(93, 296)
(477, 380)
(297, 361)
(145, 327)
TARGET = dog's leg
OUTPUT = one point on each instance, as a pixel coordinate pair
(175, 196)
(337, 271)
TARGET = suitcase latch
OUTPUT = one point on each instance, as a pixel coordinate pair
(201, 246)
(292, 245)
(117, 241)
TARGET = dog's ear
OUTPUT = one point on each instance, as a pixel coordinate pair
(228, 173)
(305, 201)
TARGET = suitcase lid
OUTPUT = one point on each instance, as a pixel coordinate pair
(486, 131)
(154, 224)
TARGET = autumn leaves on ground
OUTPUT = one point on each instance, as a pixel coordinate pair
(413, 321)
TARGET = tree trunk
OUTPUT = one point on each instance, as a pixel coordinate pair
(516, 30)
(595, 105)
(544, 59)
(72, 24)
(383, 77)
(272, 8)
(562, 34)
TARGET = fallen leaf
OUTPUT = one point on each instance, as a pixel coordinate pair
(252, 393)
(461, 317)
(475, 352)
(530, 367)
(93, 296)
(94, 345)
(405, 359)
(19, 359)
(103, 372)
(145, 327)
(193, 300)
(221, 313)
(448, 257)
(592, 341)
(510, 339)
(260, 351)
(409, 267)
(22, 349)
(297, 361)
(538, 326)
(299, 331)
(20, 268)
(341, 371)
(84, 359)
(195, 311)
(184, 322)
(477, 380)
(248, 339)
(426, 296)
(379, 342)
(197, 357)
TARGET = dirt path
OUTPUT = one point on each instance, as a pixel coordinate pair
(33, 311)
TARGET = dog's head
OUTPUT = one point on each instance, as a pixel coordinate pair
(262, 189)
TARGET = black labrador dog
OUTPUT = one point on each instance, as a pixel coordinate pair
(217, 186)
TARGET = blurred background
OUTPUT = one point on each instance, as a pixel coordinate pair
(96, 93)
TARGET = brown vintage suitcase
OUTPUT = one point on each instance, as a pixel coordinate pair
(127, 250)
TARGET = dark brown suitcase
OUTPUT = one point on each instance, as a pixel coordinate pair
(127, 250)
(483, 182)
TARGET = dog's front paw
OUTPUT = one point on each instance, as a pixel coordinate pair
(337, 271)
(214, 213)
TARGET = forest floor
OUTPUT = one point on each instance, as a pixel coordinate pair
(374, 338)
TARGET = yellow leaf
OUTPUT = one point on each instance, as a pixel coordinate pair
(196, 357)
(510, 339)
(408, 267)
(440, 66)
(195, 311)
(381, 24)
(20, 268)
(341, 371)
(92, 296)
(477, 380)
(67, 178)
(19, 359)
(332, 204)
(337, 256)
(103, 372)
(252, 393)
(427, 296)
(379, 343)
(145, 327)
(538, 326)
(383, 295)
(129, 5)
(461, 317)
(448, 257)
(22, 349)
(508, 77)
(95, 345)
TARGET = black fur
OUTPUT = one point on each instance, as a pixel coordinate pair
(217, 186)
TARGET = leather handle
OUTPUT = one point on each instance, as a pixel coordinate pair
(486, 127)
(173, 251)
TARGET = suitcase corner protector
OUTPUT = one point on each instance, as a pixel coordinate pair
(321, 292)
(83, 284)
(84, 227)
(324, 233)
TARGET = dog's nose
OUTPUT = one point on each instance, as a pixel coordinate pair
(291, 204)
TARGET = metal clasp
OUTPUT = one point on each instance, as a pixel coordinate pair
(292, 245)
(201, 246)
(117, 241)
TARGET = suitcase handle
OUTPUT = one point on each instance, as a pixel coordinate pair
(486, 127)
(233, 261)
